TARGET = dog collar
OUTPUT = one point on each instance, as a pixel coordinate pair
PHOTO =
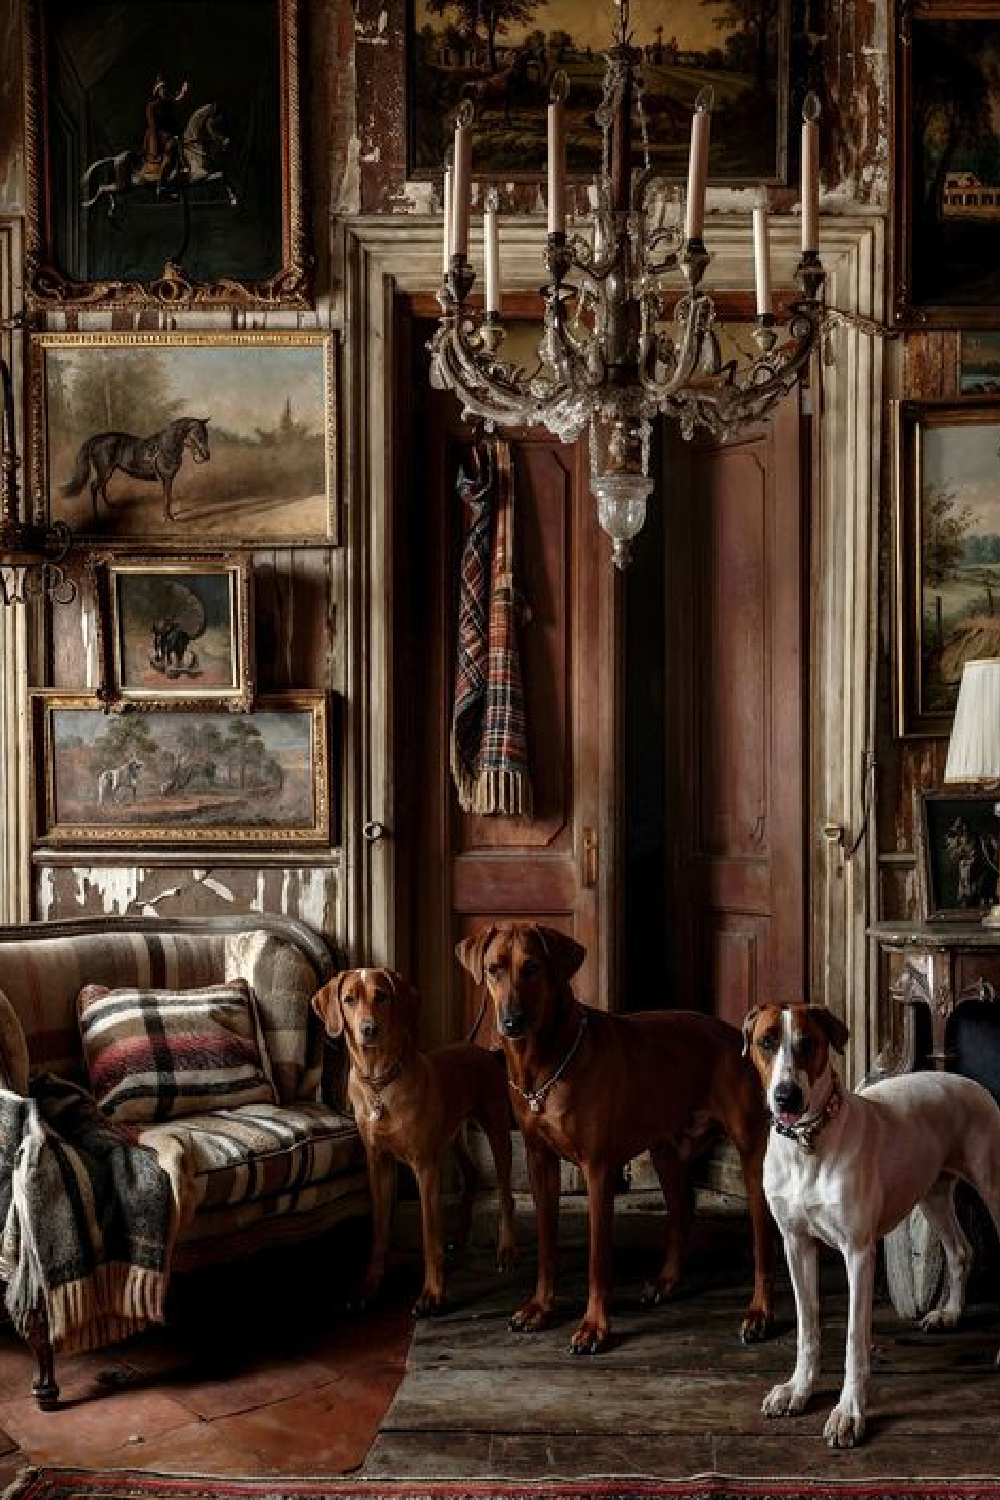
(536, 1097)
(376, 1110)
(804, 1133)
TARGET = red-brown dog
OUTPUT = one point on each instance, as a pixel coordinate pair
(598, 1089)
(409, 1106)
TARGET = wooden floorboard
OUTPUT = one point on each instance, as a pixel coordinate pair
(677, 1393)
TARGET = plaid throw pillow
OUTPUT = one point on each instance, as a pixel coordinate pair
(160, 1054)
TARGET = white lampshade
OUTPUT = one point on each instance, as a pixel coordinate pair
(974, 747)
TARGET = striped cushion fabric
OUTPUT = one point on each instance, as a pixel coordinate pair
(162, 1054)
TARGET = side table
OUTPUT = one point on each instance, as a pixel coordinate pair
(943, 965)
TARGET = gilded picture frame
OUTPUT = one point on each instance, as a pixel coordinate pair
(955, 831)
(179, 775)
(947, 553)
(187, 441)
(946, 196)
(180, 189)
(174, 628)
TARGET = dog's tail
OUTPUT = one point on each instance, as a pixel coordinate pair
(78, 478)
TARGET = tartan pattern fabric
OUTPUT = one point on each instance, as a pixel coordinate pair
(42, 978)
(489, 752)
(88, 1219)
(162, 1054)
(240, 1155)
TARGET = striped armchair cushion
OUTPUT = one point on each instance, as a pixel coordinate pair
(160, 1054)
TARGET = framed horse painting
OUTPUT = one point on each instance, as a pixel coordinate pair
(179, 775)
(175, 629)
(166, 143)
(189, 441)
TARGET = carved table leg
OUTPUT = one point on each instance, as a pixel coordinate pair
(43, 1387)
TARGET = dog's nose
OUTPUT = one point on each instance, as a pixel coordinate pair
(368, 1031)
(788, 1099)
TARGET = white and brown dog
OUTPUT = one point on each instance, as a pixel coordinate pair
(844, 1169)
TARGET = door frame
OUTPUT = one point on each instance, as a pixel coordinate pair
(378, 259)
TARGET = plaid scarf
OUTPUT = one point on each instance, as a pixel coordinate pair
(489, 752)
(88, 1219)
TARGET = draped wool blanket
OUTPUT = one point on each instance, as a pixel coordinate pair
(88, 1219)
(489, 747)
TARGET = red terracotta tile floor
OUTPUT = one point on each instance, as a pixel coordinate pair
(259, 1370)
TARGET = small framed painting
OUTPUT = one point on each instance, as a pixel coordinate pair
(956, 837)
(189, 440)
(947, 553)
(979, 363)
(179, 775)
(166, 139)
(175, 628)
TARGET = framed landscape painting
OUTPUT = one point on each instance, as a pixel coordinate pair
(946, 270)
(502, 58)
(182, 776)
(175, 628)
(167, 144)
(947, 545)
(193, 440)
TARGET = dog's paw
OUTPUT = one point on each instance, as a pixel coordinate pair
(785, 1400)
(530, 1318)
(845, 1426)
(938, 1319)
(756, 1326)
(659, 1290)
(589, 1338)
(428, 1304)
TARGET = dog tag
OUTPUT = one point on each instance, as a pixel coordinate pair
(376, 1112)
(535, 1104)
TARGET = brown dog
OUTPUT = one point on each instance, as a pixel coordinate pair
(409, 1105)
(598, 1089)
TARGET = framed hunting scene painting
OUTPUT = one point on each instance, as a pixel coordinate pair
(180, 775)
(956, 837)
(166, 139)
(193, 440)
(175, 628)
(502, 57)
(947, 543)
(946, 270)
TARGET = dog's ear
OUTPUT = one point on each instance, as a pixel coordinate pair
(471, 951)
(564, 953)
(326, 1003)
(833, 1027)
(749, 1022)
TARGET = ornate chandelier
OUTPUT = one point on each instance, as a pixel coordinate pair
(30, 556)
(612, 353)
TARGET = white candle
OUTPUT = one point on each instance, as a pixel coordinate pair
(557, 167)
(446, 222)
(491, 257)
(461, 191)
(762, 261)
(810, 179)
(701, 125)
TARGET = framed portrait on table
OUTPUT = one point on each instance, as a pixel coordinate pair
(189, 441)
(176, 629)
(947, 553)
(956, 846)
(168, 156)
(179, 775)
(946, 103)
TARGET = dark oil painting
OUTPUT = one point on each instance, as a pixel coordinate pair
(162, 125)
(501, 55)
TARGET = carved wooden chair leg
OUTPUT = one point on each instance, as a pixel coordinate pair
(43, 1387)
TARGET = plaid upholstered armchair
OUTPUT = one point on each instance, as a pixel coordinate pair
(162, 1105)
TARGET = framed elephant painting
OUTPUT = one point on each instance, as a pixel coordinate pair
(167, 143)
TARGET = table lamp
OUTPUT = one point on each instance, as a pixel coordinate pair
(974, 747)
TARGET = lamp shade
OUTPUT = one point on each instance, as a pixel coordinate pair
(974, 747)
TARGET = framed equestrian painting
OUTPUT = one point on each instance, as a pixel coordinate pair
(194, 441)
(946, 265)
(181, 775)
(502, 59)
(166, 139)
(947, 546)
(175, 628)
(956, 839)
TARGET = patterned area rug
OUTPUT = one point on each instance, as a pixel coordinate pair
(134, 1484)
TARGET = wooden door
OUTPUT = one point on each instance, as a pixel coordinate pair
(555, 867)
